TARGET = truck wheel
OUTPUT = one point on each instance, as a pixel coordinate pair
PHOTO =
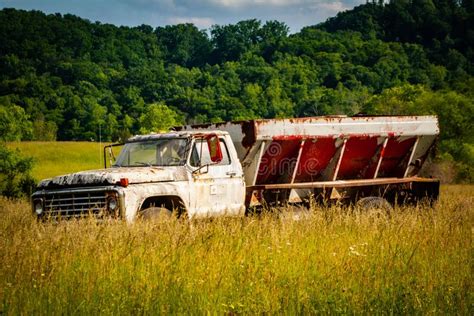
(374, 202)
(156, 214)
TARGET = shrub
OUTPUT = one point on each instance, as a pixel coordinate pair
(15, 173)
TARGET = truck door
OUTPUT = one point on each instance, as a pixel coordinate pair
(217, 188)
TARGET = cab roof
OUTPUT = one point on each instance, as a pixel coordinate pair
(183, 134)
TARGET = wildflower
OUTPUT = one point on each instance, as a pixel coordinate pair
(353, 251)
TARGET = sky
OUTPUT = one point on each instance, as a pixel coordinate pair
(202, 13)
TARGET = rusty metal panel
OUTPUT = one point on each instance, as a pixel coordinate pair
(357, 156)
(419, 155)
(339, 183)
(278, 162)
(315, 157)
(347, 126)
(395, 155)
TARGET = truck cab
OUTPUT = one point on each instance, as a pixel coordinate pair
(193, 174)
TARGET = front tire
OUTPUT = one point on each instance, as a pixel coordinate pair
(156, 214)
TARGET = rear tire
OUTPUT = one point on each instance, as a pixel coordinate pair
(374, 202)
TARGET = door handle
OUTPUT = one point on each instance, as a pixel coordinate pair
(231, 173)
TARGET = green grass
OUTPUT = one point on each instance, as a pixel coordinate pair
(417, 261)
(57, 158)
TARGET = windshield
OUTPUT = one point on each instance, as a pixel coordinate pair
(159, 152)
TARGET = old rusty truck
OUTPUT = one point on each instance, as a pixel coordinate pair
(231, 168)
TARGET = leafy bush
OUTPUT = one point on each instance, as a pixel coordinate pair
(15, 178)
(14, 123)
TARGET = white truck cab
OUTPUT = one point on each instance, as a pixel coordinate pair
(193, 173)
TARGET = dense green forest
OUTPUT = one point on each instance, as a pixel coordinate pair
(66, 78)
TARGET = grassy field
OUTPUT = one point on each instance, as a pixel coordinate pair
(417, 261)
(56, 158)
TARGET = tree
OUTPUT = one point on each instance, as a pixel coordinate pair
(232, 41)
(158, 118)
(14, 123)
(396, 101)
(184, 44)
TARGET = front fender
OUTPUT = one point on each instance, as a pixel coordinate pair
(136, 194)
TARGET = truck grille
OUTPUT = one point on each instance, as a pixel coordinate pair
(77, 204)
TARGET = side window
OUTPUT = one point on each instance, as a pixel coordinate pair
(200, 148)
(225, 153)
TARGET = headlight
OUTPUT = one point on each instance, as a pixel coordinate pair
(112, 204)
(38, 204)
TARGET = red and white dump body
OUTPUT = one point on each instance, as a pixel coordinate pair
(333, 157)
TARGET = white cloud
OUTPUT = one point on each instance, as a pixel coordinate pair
(250, 3)
(328, 5)
(333, 6)
(198, 21)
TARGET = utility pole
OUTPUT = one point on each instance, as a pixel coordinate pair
(100, 145)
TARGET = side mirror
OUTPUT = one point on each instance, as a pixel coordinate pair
(214, 148)
(108, 150)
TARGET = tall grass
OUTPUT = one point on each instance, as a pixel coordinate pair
(56, 158)
(416, 261)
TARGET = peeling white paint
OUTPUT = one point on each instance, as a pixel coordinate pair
(113, 176)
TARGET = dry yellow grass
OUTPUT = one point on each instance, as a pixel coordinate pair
(417, 261)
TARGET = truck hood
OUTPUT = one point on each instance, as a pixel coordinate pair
(113, 175)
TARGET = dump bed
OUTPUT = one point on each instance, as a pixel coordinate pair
(315, 149)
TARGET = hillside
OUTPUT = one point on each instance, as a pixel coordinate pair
(444, 28)
(66, 78)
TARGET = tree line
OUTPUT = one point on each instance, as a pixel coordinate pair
(66, 78)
